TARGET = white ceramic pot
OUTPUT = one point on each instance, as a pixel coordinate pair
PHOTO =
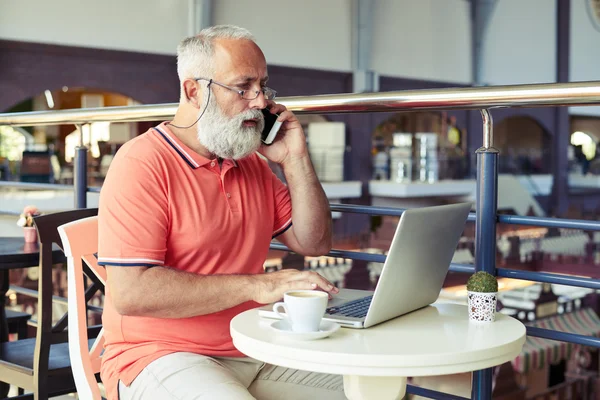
(482, 306)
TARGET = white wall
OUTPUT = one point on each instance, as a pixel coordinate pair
(520, 43)
(424, 39)
(584, 55)
(306, 33)
(152, 26)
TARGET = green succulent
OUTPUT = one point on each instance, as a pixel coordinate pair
(482, 282)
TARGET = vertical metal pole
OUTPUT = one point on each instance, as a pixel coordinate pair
(80, 172)
(481, 14)
(562, 125)
(485, 230)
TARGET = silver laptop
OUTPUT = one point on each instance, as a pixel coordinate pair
(414, 270)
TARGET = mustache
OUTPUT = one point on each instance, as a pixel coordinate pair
(251, 114)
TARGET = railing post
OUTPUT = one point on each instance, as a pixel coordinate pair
(80, 172)
(485, 230)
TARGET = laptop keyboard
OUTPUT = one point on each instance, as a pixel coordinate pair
(355, 308)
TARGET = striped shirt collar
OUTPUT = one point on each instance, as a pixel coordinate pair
(193, 159)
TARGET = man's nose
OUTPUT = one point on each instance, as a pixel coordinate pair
(259, 102)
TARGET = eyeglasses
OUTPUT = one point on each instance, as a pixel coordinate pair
(269, 93)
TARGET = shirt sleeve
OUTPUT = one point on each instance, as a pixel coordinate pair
(283, 206)
(133, 215)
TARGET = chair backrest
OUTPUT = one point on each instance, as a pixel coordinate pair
(80, 240)
(47, 334)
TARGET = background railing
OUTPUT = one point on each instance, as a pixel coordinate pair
(485, 217)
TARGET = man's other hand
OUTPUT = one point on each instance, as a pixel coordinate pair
(270, 287)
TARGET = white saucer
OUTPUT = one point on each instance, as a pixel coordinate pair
(283, 328)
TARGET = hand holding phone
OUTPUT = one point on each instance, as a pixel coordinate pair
(271, 127)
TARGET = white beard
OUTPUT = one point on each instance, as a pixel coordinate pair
(227, 137)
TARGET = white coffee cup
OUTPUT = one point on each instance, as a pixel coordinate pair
(304, 309)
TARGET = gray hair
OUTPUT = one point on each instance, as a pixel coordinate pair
(194, 54)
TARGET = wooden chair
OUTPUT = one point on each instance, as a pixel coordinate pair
(42, 364)
(80, 239)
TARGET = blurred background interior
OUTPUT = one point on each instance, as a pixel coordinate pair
(73, 54)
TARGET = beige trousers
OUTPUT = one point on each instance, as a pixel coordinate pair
(186, 376)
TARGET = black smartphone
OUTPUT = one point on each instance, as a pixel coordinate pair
(271, 127)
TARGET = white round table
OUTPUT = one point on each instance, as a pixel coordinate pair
(436, 340)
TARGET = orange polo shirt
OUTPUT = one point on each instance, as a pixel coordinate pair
(163, 204)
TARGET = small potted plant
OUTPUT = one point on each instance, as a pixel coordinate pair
(26, 221)
(482, 292)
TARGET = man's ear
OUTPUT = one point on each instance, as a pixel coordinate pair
(192, 92)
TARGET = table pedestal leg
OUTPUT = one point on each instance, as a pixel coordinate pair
(456, 384)
(374, 387)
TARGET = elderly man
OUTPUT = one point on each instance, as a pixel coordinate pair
(187, 212)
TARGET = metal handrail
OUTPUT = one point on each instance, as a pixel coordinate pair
(505, 219)
(470, 98)
(543, 277)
